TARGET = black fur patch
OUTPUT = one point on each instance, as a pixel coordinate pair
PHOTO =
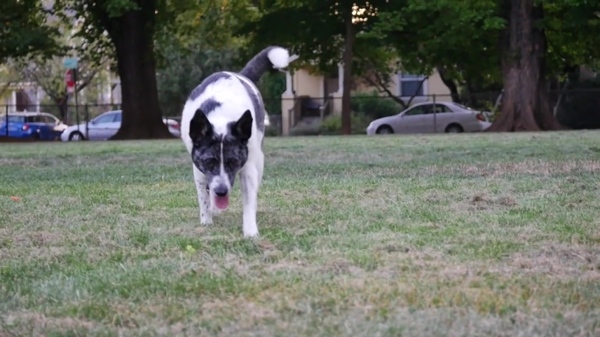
(209, 105)
(207, 81)
(257, 102)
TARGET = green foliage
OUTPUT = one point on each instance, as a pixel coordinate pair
(22, 30)
(462, 36)
(272, 86)
(374, 106)
(195, 44)
(315, 30)
(332, 125)
(183, 70)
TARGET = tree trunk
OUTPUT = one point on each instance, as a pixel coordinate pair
(61, 104)
(132, 35)
(347, 82)
(525, 105)
(449, 83)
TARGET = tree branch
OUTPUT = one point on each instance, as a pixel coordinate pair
(418, 88)
(382, 88)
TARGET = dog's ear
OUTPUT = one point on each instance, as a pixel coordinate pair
(200, 126)
(242, 129)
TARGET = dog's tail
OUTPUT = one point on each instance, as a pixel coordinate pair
(269, 59)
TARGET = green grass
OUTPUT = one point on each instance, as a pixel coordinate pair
(442, 235)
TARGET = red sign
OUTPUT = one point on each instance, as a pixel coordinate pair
(70, 81)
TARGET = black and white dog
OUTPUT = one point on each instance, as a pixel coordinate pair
(222, 127)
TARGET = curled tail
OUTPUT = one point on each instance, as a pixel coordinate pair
(268, 59)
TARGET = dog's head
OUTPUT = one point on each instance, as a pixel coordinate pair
(220, 157)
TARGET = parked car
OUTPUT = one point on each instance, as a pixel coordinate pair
(174, 124)
(35, 125)
(105, 126)
(420, 118)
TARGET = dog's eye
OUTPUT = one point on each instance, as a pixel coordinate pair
(230, 163)
(211, 162)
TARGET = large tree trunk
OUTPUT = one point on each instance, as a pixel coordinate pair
(132, 34)
(525, 105)
(347, 82)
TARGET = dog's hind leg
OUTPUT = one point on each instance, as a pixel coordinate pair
(250, 180)
(203, 197)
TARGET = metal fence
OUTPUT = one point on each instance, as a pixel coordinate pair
(69, 114)
(576, 108)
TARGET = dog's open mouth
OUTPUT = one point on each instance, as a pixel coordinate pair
(222, 202)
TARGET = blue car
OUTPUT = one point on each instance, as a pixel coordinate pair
(31, 125)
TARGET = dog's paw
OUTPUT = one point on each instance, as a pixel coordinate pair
(215, 211)
(206, 220)
(250, 231)
(250, 235)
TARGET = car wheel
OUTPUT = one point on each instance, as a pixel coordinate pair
(384, 130)
(76, 136)
(454, 128)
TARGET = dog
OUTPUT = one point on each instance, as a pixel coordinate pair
(222, 127)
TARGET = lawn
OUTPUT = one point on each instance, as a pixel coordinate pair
(442, 235)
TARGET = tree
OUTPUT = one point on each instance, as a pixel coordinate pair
(193, 48)
(323, 32)
(130, 26)
(533, 46)
(454, 38)
(47, 71)
(48, 74)
(521, 43)
(22, 29)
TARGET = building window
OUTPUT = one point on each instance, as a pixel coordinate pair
(410, 85)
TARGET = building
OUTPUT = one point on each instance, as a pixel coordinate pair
(323, 94)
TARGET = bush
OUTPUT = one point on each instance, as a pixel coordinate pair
(579, 109)
(374, 106)
(306, 130)
(332, 125)
(270, 131)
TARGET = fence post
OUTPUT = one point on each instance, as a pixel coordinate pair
(434, 115)
(6, 119)
(87, 120)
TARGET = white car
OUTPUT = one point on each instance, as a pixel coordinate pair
(105, 126)
(420, 118)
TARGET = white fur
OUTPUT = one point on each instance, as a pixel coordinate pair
(280, 57)
(234, 102)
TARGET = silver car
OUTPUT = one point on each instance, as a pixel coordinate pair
(105, 126)
(429, 117)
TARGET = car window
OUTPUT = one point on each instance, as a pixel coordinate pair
(117, 118)
(108, 118)
(15, 119)
(440, 108)
(49, 119)
(418, 110)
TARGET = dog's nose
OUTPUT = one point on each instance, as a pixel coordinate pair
(221, 191)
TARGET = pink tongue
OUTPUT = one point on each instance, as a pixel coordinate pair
(222, 202)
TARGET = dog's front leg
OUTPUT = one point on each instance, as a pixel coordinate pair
(249, 181)
(203, 197)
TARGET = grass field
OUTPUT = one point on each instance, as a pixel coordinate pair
(461, 235)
